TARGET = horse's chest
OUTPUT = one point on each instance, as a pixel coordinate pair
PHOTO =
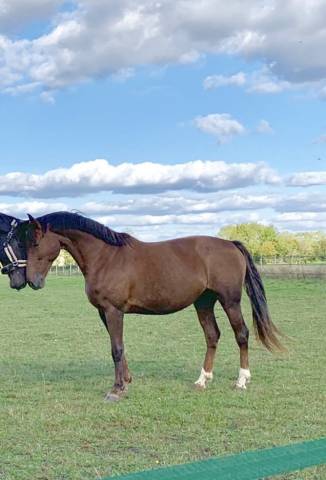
(93, 294)
(102, 295)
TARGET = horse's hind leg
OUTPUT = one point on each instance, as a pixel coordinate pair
(241, 333)
(205, 311)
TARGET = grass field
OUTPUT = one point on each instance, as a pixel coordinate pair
(55, 368)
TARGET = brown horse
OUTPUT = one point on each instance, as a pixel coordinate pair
(125, 275)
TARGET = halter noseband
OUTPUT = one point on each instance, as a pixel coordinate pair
(14, 261)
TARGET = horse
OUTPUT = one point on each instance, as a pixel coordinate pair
(12, 252)
(125, 275)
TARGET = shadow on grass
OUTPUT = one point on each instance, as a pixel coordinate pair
(59, 372)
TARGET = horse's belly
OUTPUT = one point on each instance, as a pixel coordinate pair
(146, 311)
(162, 301)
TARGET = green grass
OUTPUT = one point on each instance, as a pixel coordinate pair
(55, 368)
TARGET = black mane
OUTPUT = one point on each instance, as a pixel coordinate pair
(6, 222)
(59, 221)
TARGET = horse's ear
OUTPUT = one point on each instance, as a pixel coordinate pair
(36, 229)
(33, 221)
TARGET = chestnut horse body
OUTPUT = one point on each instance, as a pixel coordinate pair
(125, 275)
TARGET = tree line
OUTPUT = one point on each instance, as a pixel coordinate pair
(262, 240)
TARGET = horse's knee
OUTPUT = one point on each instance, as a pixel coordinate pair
(117, 353)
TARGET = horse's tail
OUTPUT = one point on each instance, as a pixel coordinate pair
(265, 329)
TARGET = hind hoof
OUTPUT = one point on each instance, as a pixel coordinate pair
(240, 388)
(243, 379)
(199, 387)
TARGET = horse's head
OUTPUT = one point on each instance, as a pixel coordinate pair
(43, 247)
(12, 252)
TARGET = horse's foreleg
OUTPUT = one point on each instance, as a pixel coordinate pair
(114, 323)
(212, 334)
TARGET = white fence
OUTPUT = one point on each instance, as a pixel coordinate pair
(67, 270)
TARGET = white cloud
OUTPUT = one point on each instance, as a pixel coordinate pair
(33, 207)
(307, 179)
(298, 221)
(122, 75)
(207, 219)
(180, 214)
(21, 89)
(102, 37)
(215, 81)
(259, 81)
(264, 127)
(147, 177)
(301, 202)
(264, 81)
(220, 125)
(156, 228)
(179, 204)
(17, 13)
(153, 227)
(167, 204)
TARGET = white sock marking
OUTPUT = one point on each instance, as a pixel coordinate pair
(243, 378)
(204, 377)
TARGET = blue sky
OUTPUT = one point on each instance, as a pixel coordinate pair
(164, 119)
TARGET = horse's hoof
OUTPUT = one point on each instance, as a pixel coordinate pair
(112, 397)
(199, 387)
(116, 394)
(243, 379)
(240, 387)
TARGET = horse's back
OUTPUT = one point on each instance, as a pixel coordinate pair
(215, 259)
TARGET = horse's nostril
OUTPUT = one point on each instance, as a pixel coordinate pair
(34, 286)
(20, 286)
(37, 282)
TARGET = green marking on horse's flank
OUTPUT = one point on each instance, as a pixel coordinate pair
(253, 465)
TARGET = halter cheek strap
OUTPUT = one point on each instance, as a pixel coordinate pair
(14, 261)
(13, 258)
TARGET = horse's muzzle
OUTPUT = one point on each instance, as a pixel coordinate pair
(37, 283)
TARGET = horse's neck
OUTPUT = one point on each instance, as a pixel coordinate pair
(83, 247)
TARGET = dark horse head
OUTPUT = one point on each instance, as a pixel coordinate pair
(12, 252)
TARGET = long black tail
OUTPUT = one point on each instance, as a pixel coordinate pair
(265, 329)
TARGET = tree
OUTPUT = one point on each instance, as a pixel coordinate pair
(254, 236)
(64, 258)
(287, 244)
(268, 248)
(262, 240)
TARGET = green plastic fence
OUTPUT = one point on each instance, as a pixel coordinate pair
(254, 465)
